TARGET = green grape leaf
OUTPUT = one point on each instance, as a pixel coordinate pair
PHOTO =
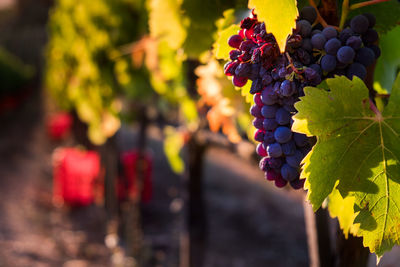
(173, 144)
(279, 16)
(360, 150)
(221, 47)
(389, 62)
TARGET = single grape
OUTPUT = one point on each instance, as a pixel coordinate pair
(264, 164)
(259, 135)
(354, 42)
(308, 13)
(268, 96)
(269, 111)
(332, 46)
(297, 184)
(301, 140)
(376, 49)
(307, 45)
(286, 88)
(328, 63)
(304, 28)
(314, 32)
(261, 150)
(371, 19)
(257, 100)
(247, 45)
(280, 182)
(282, 116)
(370, 37)
(239, 81)
(345, 54)
(365, 56)
(274, 150)
(289, 148)
(345, 34)
(255, 111)
(234, 54)
(258, 123)
(230, 67)
(318, 41)
(270, 124)
(289, 173)
(266, 79)
(356, 69)
(275, 163)
(256, 86)
(235, 41)
(243, 69)
(359, 24)
(329, 32)
(283, 134)
(271, 175)
(269, 137)
(295, 159)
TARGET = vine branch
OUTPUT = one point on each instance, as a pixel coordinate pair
(366, 3)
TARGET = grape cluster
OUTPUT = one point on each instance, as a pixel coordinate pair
(312, 54)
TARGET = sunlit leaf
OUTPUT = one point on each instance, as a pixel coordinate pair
(360, 150)
(279, 16)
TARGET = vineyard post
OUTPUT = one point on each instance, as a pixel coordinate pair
(132, 210)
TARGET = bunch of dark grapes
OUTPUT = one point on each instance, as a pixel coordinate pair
(278, 80)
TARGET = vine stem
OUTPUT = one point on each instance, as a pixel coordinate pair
(374, 108)
(366, 3)
(319, 17)
(345, 12)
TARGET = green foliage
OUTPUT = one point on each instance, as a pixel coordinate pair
(85, 68)
(359, 150)
(279, 16)
(13, 73)
(173, 144)
(388, 63)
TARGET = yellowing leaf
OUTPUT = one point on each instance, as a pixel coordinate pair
(221, 47)
(165, 21)
(173, 145)
(279, 16)
(360, 150)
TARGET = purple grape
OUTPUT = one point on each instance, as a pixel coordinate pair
(345, 54)
(359, 24)
(268, 96)
(256, 86)
(295, 159)
(259, 135)
(371, 19)
(261, 150)
(274, 150)
(376, 49)
(270, 124)
(370, 37)
(328, 63)
(255, 111)
(345, 34)
(365, 56)
(239, 81)
(282, 134)
(289, 148)
(269, 111)
(304, 28)
(354, 42)
(332, 46)
(297, 184)
(308, 13)
(289, 173)
(258, 123)
(275, 163)
(318, 41)
(356, 69)
(300, 139)
(235, 41)
(329, 32)
(269, 137)
(257, 100)
(282, 116)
